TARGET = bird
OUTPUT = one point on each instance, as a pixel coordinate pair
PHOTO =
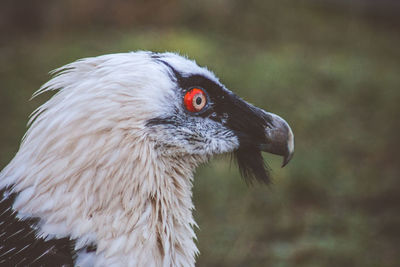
(104, 173)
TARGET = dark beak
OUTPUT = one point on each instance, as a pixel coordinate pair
(279, 137)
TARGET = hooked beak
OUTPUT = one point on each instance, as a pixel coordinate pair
(279, 138)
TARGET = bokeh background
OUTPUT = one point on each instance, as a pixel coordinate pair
(331, 68)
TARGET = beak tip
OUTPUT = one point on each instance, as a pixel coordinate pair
(290, 147)
(286, 159)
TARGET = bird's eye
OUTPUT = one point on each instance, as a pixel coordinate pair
(195, 100)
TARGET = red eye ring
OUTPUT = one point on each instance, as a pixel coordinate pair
(195, 100)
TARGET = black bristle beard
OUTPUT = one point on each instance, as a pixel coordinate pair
(251, 165)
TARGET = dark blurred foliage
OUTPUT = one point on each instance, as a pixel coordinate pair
(330, 67)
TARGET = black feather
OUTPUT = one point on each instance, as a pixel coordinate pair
(251, 165)
(19, 244)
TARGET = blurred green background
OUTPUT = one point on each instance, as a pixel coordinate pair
(331, 68)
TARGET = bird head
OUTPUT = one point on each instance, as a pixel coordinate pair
(182, 107)
(203, 117)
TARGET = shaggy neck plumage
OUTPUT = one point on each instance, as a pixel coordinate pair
(135, 204)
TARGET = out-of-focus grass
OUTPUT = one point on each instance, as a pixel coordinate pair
(337, 201)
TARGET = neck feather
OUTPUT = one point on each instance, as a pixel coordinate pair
(134, 203)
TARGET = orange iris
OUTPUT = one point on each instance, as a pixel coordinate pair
(195, 100)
